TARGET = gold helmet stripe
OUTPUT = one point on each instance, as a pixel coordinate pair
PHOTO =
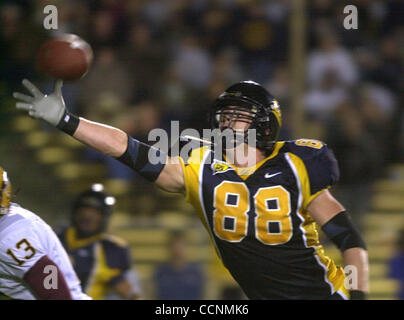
(5, 192)
(277, 111)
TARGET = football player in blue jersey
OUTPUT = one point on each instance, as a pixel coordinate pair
(261, 216)
(102, 261)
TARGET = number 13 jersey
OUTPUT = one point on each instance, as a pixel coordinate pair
(24, 239)
(258, 221)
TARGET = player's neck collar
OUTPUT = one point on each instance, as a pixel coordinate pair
(278, 146)
(245, 172)
(74, 242)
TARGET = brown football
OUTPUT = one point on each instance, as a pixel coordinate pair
(66, 57)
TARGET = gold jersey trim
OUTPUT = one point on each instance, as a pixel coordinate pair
(244, 173)
(193, 183)
(334, 275)
(73, 242)
(98, 286)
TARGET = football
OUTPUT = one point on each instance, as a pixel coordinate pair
(66, 57)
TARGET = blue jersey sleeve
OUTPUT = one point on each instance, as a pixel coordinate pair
(118, 258)
(320, 162)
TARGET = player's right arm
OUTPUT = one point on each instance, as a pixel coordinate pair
(115, 143)
(168, 174)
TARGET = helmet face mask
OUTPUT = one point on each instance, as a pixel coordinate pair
(88, 206)
(88, 221)
(249, 102)
(235, 118)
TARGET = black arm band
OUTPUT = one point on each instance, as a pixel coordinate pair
(341, 230)
(68, 123)
(144, 159)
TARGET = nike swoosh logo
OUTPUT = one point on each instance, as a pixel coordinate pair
(267, 175)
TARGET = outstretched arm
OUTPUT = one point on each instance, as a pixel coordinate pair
(106, 139)
(336, 224)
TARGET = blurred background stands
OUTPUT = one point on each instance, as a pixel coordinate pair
(158, 61)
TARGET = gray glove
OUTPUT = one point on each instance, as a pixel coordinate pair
(50, 108)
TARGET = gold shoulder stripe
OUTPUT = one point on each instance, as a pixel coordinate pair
(304, 180)
(197, 155)
(303, 177)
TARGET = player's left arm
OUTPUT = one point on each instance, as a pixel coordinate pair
(319, 173)
(124, 284)
(337, 225)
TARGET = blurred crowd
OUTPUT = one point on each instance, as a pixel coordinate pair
(158, 60)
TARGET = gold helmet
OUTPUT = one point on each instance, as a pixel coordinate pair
(5, 192)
